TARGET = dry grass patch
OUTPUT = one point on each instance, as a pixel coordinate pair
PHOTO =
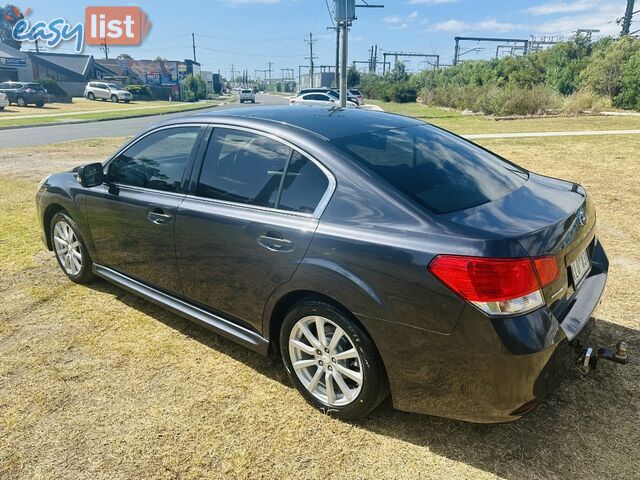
(98, 384)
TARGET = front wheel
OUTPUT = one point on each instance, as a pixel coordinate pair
(40, 104)
(331, 361)
(70, 250)
(114, 98)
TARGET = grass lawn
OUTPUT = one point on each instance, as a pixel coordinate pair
(468, 124)
(82, 109)
(98, 384)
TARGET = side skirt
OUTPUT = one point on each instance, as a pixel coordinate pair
(208, 320)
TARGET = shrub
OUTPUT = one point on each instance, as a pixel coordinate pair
(194, 88)
(494, 100)
(52, 87)
(584, 100)
(140, 91)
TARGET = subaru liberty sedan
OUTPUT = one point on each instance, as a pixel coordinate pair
(376, 254)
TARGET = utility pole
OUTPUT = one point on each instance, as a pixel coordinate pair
(270, 63)
(233, 75)
(628, 16)
(105, 48)
(311, 42)
(343, 66)
(193, 44)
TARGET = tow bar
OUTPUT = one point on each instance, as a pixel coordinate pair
(588, 358)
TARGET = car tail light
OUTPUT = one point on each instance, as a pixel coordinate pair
(498, 286)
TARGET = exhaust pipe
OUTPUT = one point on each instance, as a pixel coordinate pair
(589, 357)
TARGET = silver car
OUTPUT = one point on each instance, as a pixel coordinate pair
(247, 95)
(106, 91)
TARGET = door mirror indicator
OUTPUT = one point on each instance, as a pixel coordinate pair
(91, 175)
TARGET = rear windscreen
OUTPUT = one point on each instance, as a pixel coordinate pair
(435, 168)
(247, 91)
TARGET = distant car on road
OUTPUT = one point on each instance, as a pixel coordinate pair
(106, 91)
(319, 98)
(24, 94)
(247, 95)
(4, 101)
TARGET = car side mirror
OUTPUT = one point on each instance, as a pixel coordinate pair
(91, 175)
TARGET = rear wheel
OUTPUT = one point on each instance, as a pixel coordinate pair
(69, 248)
(21, 102)
(40, 104)
(332, 362)
(91, 96)
(114, 98)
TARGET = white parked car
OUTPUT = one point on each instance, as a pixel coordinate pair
(318, 98)
(247, 95)
(4, 101)
(357, 94)
(106, 91)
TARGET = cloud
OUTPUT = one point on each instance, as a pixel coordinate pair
(397, 22)
(483, 26)
(431, 2)
(553, 8)
(602, 17)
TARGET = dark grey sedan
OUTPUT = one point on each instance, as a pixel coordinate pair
(375, 253)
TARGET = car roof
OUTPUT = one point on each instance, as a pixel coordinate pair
(330, 123)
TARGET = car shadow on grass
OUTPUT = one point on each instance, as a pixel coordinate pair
(588, 428)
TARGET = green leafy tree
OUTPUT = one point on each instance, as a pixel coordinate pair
(9, 16)
(605, 70)
(565, 62)
(353, 77)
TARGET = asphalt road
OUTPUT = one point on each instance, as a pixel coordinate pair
(24, 137)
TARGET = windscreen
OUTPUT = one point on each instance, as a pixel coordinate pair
(435, 168)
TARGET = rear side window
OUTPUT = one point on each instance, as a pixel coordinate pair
(158, 161)
(436, 169)
(247, 168)
(304, 185)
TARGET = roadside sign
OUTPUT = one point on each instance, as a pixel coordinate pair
(13, 62)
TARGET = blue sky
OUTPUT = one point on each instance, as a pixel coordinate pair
(249, 33)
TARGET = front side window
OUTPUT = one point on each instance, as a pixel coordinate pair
(435, 168)
(252, 169)
(158, 161)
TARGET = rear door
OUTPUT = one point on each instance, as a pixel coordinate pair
(247, 222)
(132, 217)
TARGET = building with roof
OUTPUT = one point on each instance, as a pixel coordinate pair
(14, 65)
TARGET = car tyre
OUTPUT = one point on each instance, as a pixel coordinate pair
(69, 249)
(39, 104)
(127, 101)
(21, 102)
(91, 96)
(114, 98)
(342, 376)
(1, 109)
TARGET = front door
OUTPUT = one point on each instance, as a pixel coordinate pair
(246, 227)
(132, 217)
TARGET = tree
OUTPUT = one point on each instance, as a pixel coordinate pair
(565, 62)
(194, 88)
(9, 16)
(605, 70)
(125, 56)
(353, 77)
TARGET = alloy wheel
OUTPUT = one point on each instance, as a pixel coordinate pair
(325, 360)
(67, 246)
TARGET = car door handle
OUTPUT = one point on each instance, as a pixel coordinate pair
(275, 242)
(158, 216)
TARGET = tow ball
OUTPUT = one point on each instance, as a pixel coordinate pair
(589, 357)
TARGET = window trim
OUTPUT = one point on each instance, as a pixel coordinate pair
(188, 170)
(322, 204)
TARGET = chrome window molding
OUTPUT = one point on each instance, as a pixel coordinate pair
(317, 213)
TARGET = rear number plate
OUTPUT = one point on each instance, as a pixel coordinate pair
(580, 267)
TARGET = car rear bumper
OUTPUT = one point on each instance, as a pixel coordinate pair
(488, 371)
